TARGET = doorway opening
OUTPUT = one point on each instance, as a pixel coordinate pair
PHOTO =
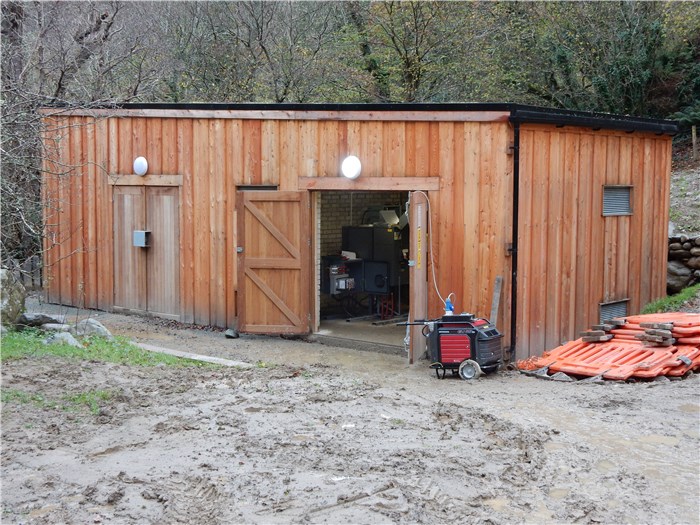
(362, 249)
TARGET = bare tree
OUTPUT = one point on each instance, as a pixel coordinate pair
(56, 53)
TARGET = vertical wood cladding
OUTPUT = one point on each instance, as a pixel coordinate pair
(562, 172)
(571, 257)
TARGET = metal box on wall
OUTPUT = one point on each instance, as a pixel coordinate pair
(142, 238)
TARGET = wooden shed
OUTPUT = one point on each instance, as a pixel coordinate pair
(569, 209)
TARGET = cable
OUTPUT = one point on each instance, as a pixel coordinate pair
(432, 261)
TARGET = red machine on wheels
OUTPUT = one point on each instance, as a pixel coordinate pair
(464, 344)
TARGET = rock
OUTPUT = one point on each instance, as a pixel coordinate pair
(37, 319)
(90, 327)
(697, 241)
(693, 263)
(231, 334)
(55, 327)
(561, 376)
(677, 277)
(62, 338)
(12, 296)
(678, 255)
(683, 237)
(687, 246)
(695, 251)
(675, 246)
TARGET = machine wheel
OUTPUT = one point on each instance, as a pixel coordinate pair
(469, 369)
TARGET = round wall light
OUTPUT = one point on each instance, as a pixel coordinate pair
(140, 166)
(351, 167)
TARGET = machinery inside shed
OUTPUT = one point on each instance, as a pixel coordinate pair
(363, 240)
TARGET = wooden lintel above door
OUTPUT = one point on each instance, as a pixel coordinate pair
(146, 180)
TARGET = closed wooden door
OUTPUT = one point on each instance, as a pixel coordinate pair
(274, 279)
(147, 279)
(129, 261)
(163, 263)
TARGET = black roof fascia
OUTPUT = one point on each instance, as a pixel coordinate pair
(518, 112)
(562, 117)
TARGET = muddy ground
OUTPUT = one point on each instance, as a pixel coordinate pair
(321, 434)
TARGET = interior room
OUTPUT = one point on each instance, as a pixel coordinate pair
(363, 242)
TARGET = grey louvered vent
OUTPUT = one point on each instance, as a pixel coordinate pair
(613, 310)
(616, 200)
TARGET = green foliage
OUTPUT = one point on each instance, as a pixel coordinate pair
(688, 116)
(672, 303)
(12, 395)
(28, 343)
(92, 399)
(586, 55)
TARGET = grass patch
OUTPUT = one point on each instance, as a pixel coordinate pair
(28, 343)
(673, 302)
(92, 399)
(12, 395)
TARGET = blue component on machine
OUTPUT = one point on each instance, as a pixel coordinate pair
(449, 307)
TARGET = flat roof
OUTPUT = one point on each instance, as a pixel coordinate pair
(518, 113)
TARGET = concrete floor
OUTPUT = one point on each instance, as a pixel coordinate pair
(363, 335)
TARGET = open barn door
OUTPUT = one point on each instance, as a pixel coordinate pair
(273, 260)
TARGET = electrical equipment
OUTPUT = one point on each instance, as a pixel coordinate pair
(376, 277)
(463, 344)
(379, 243)
(359, 240)
(341, 283)
(142, 238)
(339, 280)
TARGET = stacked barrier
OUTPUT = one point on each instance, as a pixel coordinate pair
(636, 347)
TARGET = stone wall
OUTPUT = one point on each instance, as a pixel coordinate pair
(683, 263)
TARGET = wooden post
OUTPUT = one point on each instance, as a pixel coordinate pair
(695, 141)
(496, 300)
(418, 274)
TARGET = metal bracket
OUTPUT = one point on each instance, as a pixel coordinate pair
(685, 360)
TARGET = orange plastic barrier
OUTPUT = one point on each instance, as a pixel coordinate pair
(681, 319)
(633, 352)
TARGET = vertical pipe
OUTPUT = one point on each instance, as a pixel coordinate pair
(418, 271)
(514, 249)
